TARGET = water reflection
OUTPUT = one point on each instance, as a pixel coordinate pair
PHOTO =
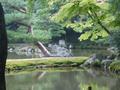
(2, 82)
(70, 80)
(67, 81)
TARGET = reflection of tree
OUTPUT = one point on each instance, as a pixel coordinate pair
(67, 81)
(2, 82)
(97, 80)
(73, 80)
(39, 76)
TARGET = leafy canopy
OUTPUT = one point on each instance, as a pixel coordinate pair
(96, 20)
(34, 14)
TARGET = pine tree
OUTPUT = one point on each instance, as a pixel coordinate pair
(29, 21)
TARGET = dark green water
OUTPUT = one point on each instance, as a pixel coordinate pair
(63, 80)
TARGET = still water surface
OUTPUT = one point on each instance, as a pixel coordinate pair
(75, 52)
(63, 80)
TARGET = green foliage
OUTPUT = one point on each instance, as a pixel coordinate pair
(37, 13)
(21, 36)
(97, 20)
(67, 11)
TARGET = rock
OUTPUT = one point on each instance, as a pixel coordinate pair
(32, 50)
(70, 46)
(91, 60)
(62, 43)
(113, 50)
(111, 57)
(95, 60)
(59, 49)
(105, 63)
(11, 49)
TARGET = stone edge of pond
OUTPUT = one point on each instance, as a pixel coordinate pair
(17, 65)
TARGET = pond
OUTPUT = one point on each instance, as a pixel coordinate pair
(22, 51)
(63, 80)
(75, 52)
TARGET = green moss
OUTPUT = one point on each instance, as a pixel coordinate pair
(115, 66)
(27, 64)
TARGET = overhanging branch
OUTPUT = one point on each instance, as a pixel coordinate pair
(100, 23)
(21, 9)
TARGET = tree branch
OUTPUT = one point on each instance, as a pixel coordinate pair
(18, 22)
(90, 16)
(21, 9)
(100, 23)
(26, 25)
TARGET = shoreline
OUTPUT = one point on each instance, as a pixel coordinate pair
(41, 63)
(19, 65)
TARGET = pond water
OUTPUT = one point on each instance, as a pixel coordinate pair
(63, 80)
(75, 52)
(22, 51)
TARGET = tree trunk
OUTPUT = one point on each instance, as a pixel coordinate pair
(2, 82)
(43, 49)
(3, 42)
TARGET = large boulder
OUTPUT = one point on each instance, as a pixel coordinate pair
(99, 60)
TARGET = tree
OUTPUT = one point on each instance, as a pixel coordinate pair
(26, 17)
(92, 15)
(3, 42)
(2, 82)
(96, 19)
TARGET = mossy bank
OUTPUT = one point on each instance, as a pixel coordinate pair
(16, 65)
(41, 63)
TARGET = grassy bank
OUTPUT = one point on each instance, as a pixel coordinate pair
(40, 63)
